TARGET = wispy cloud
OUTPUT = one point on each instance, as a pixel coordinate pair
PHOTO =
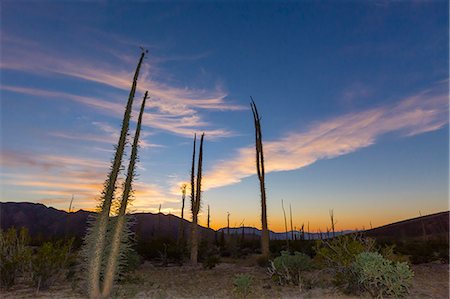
(174, 109)
(424, 112)
(182, 123)
(108, 135)
(57, 178)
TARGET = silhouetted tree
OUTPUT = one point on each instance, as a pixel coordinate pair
(196, 202)
(261, 176)
(180, 236)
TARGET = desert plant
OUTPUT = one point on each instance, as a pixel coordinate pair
(195, 199)
(119, 229)
(50, 263)
(261, 176)
(212, 257)
(14, 255)
(292, 228)
(242, 284)
(333, 222)
(95, 239)
(287, 268)
(180, 236)
(381, 277)
(208, 218)
(285, 226)
(388, 252)
(338, 255)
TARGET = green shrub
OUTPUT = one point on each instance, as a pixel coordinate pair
(287, 268)
(379, 276)
(14, 255)
(338, 255)
(242, 284)
(50, 263)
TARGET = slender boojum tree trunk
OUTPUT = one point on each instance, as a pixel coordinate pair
(112, 262)
(208, 219)
(198, 191)
(228, 223)
(292, 228)
(285, 225)
(261, 177)
(180, 236)
(333, 223)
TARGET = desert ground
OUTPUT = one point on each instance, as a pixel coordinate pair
(151, 281)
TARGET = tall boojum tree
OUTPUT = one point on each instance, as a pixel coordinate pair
(261, 176)
(196, 191)
(95, 239)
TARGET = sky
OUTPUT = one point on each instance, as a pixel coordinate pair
(353, 98)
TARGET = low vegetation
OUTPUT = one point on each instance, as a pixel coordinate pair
(42, 267)
(288, 268)
(380, 277)
(243, 284)
(14, 255)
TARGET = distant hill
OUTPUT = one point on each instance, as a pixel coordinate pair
(425, 227)
(281, 236)
(46, 222)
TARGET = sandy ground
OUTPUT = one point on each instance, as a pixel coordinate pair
(430, 281)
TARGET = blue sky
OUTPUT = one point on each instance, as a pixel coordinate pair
(353, 97)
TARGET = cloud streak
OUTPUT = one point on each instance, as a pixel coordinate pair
(424, 112)
(57, 178)
(174, 109)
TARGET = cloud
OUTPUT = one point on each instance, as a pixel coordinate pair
(57, 178)
(174, 109)
(109, 135)
(180, 124)
(424, 112)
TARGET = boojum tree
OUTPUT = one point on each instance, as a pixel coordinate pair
(196, 190)
(285, 225)
(261, 176)
(119, 230)
(208, 218)
(95, 238)
(180, 236)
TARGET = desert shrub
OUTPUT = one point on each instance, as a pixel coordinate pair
(388, 252)
(242, 284)
(14, 255)
(338, 255)
(212, 257)
(287, 268)
(50, 262)
(421, 251)
(132, 260)
(211, 261)
(379, 276)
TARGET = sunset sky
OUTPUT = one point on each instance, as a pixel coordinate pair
(353, 98)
